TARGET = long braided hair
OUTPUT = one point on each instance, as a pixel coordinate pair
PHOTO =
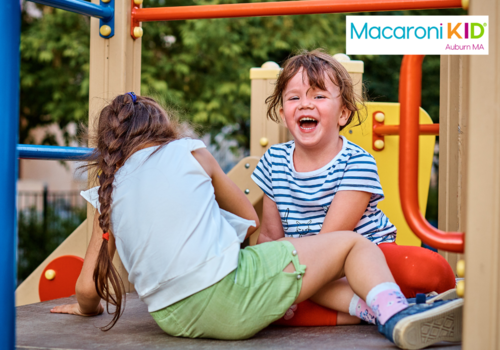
(128, 124)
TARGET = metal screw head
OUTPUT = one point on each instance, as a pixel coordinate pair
(50, 274)
(461, 288)
(264, 141)
(247, 165)
(461, 268)
(247, 191)
(105, 30)
(380, 117)
(379, 144)
(138, 32)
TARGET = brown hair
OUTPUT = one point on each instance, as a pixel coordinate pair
(124, 127)
(315, 64)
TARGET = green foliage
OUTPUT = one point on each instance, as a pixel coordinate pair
(205, 72)
(200, 67)
(39, 235)
(54, 70)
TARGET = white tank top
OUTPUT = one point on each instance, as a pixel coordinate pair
(171, 235)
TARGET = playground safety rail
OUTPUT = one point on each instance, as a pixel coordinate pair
(281, 8)
(53, 152)
(410, 89)
(105, 12)
(424, 129)
(78, 6)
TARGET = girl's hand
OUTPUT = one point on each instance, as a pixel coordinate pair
(290, 312)
(74, 309)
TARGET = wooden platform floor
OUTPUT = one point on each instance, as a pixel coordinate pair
(38, 329)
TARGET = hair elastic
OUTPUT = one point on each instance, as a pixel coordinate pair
(134, 97)
(105, 236)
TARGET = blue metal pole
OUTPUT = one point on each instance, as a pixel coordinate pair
(81, 7)
(10, 16)
(53, 152)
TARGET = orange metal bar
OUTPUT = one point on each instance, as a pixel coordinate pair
(285, 8)
(424, 129)
(410, 87)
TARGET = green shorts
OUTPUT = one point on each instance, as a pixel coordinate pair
(247, 300)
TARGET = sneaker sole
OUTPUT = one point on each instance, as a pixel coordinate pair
(448, 295)
(418, 331)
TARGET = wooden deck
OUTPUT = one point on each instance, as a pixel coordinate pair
(136, 329)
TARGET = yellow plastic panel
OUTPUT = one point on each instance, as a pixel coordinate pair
(388, 161)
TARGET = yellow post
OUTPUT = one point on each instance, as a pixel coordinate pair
(482, 226)
(453, 130)
(263, 132)
(115, 68)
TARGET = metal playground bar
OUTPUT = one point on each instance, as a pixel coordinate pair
(105, 12)
(410, 91)
(53, 152)
(81, 7)
(286, 8)
(301, 7)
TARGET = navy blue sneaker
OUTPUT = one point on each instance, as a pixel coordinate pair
(422, 298)
(421, 325)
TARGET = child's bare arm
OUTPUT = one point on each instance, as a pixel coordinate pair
(271, 228)
(227, 194)
(89, 303)
(345, 211)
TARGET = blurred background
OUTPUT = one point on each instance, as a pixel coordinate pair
(198, 68)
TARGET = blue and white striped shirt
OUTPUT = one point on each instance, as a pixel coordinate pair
(303, 199)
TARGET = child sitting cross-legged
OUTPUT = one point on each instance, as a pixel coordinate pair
(321, 182)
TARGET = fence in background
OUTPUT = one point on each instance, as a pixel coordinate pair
(45, 219)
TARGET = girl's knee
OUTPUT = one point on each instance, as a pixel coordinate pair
(350, 236)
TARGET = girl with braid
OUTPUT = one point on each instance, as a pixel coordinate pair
(177, 222)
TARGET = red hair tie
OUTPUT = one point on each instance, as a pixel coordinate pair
(105, 236)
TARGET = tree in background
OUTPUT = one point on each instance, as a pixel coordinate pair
(200, 67)
(54, 69)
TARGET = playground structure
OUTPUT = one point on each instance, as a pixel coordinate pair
(469, 148)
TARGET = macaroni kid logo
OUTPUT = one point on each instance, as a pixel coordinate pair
(417, 35)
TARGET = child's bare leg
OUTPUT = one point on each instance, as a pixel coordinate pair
(346, 319)
(335, 295)
(331, 256)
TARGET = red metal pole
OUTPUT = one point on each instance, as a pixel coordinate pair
(285, 8)
(410, 87)
(423, 129)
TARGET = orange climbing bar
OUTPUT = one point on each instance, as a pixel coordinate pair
(410, 88)
(284, 8)
(424, 129)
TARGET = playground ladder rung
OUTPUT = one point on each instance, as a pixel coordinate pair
(281, 8)
(53, 152)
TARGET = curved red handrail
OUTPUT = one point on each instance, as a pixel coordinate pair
(410, 88)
